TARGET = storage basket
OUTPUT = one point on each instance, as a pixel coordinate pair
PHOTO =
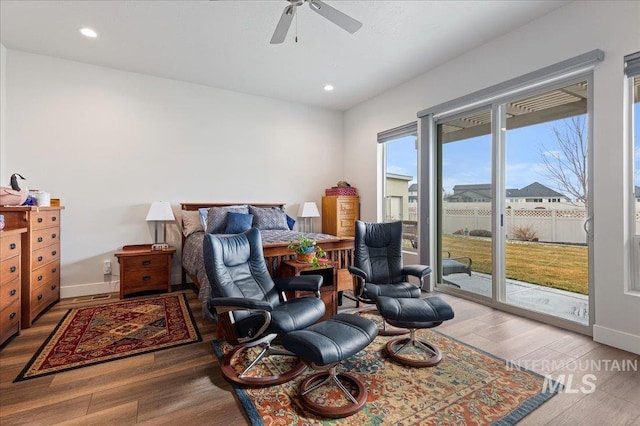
(341, 191)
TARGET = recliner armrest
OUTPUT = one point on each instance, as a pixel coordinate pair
(419, 271)
(354, 270)
(225, 304)
(300, 283)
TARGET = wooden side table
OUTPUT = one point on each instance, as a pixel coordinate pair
(143, 269)
(329, 289)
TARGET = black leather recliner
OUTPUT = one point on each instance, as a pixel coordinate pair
(378, 269)
(252, 305)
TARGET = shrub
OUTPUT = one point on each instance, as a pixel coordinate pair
(459, 232)
(480, 233)
(525, 233)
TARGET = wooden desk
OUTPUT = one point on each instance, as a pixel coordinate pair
(329, 289)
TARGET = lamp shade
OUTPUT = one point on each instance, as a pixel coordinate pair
(160, 211)
(308, 209)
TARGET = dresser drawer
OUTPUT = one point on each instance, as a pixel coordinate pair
(9, 245)
(10, 320)
(142, 262)
(9, 293)
(43, 296)
(347, 227)
(346, 209)
(45, 273)
(45, 237)
(9, 269)
(45, 255)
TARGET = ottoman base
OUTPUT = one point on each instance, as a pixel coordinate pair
(394, 348)
(315, 381)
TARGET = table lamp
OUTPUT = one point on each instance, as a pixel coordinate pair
(160, 211)
(307, 211)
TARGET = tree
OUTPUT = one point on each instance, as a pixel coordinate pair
(567, 167)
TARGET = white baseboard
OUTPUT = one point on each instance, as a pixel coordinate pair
(617, 339)
(89, 289)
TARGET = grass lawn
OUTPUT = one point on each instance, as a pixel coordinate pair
(550, 265)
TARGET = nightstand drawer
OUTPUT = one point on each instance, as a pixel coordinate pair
(9, 269)
(144, 262)
(44, 237)
(9, 246)
(145, 279)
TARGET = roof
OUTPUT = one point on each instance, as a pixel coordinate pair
(483, 190)
(414, 187)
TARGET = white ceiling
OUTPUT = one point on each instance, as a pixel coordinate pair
(225, 44)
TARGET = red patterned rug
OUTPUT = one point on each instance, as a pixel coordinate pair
(96, 334)
(468, 387)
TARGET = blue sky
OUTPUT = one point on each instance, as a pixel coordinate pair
(469, 161)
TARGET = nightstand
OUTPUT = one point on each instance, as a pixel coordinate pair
(143, 269)
(328, 291)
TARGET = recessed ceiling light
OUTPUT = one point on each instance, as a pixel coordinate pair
(88, 32)
(328, 87)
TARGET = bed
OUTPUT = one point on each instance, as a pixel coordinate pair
(274, 242)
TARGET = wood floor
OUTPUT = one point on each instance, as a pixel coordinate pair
(184, 384)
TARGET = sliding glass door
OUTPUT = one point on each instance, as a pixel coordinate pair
(513, 224)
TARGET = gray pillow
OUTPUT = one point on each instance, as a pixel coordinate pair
(269, 218)
(217, 217)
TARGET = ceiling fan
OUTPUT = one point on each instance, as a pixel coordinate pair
(345, 22)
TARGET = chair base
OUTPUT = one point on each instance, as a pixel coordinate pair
(242, 379)
(394, 347)
(354, 403)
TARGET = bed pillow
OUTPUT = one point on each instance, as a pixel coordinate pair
(290, 222)
(203, 212)
(191, 222)
(238, 222)
(217, 217)
(269, 218)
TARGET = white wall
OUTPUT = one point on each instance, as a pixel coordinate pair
(108, 143)
(3, 112)
(574, 29)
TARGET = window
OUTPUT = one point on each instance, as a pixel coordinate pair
(400, 180)
(632, 72)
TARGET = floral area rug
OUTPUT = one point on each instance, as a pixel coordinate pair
(468, 387)
(96, 334)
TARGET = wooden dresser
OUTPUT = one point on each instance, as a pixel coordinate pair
(339, 214)
(40, 254)
(10, 245)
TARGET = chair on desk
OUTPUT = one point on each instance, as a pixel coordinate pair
(251, 304)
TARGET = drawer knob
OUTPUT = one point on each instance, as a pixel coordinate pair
(40, 239)
(13, 269)
(146, 262)
(53, 287)
(39, 258)
(12, 246)
(53, 253)
(54, 270)
(12, 315)
(40, 220)
(53, 235)
(39, 297)
(146, 278)
(53, 219)
(13, 292)
(39, 277)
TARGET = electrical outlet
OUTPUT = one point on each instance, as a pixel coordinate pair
(106, 267)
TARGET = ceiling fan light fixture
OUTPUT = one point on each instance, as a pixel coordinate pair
(328, 87)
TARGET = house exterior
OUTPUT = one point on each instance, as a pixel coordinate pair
(532, 193)
(397, 196)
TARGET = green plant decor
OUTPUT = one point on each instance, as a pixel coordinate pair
(302, 245)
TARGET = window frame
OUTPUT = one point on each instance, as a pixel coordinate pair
(632, 72)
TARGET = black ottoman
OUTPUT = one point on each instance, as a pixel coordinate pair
(413, 314)
(322, 346)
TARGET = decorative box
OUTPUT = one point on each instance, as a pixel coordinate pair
(341, 191)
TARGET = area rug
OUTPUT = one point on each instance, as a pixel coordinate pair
(468, 387)
(96, 334)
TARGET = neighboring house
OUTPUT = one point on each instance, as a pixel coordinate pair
(413, 193)
(533, 193)
(397, 195)
(638, 194)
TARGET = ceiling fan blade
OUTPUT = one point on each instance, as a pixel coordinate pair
(283, 25)
(345, 22)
